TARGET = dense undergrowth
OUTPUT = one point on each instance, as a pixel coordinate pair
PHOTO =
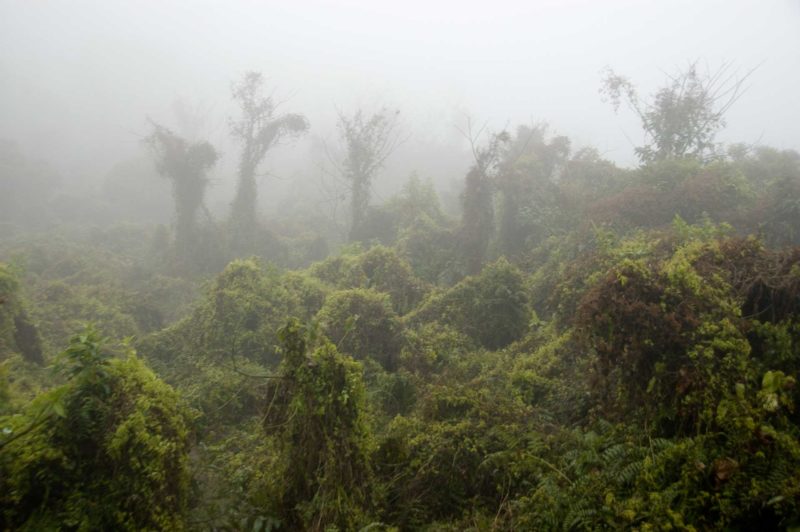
(624, 358)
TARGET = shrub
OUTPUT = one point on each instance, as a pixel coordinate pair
(105, 451)
(491, 307)
(324, 443)
(361, 323)
(17, 332)
(380, 269)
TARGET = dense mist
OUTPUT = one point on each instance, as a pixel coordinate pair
(441, 266)
(80, 78)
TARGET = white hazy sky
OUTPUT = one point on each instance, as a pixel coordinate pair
(78, 77)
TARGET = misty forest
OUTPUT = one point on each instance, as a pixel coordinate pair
(235, 295)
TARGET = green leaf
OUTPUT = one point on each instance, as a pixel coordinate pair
(740, 390)
(58, 409)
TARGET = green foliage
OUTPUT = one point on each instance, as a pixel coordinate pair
(666, 174)
(386, 272)
(416, 203)
(609, 478)
(381, 269)
(9, 307)
(586, 175)
(432, 347)
(185, 165)
(461, 448)
(17, 332)
(240, 314)
(775, 176)
(529, 195)
(491, 307)
(395, 393)
(683, 117)
(68, 284)
(550, 372)
(416, 199)
(322, 435)
(630, 366)
(647, 322)
(477, 221)
(665, 189)
(216, 356)
(361, 323)
(66, 307)
(107, 450)
(431, 251)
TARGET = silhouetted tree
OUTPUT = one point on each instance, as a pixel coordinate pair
(526, 183)
(477, 219)
(684, 116)
(185, 165)
(259, 128)
(369, 140)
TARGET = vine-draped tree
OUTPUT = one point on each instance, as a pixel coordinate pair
(185, 164)
(477, 218)
(369, 141)
(258, 128)
(684, 116)
(526, 185)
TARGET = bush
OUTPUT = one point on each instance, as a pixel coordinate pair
(325, 475)
(361, 323)
(672, 328)
(105, 451)
(239, 316)
(491, 308)
(431, 251)
(17, 332)
(216, 355)
(380, 269)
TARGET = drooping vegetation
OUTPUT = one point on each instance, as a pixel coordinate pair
(108, 449)
(581, 347)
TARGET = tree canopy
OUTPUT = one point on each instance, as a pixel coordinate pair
(683, 117)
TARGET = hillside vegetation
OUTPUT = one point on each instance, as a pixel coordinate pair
(581, 347)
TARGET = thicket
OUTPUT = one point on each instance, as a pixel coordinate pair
(105, 450)
(587, 348)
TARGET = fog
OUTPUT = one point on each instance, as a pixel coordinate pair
(367, 265)
(80, 79)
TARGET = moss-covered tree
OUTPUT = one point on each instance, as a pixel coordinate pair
(259, 128)
(185, 164)
(326, 477)
(368, 141)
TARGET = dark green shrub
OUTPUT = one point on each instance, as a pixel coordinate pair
(466, 449)
(17, 332)
(215, 356)
(239, 317)
(432, 347)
